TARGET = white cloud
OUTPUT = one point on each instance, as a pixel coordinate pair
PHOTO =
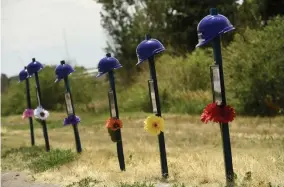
(34, 28)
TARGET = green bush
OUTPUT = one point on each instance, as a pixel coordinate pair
(186, 73)
(254, 69)
(183, 84)
(52, 94)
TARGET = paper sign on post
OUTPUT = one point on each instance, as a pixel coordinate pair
(152, 95)
(37, 95)
(216, 84)
(111, 104)
(68, 102)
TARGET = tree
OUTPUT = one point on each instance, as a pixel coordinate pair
(252, 12)
(4, 82)
(173, 22)
(248, 15)
(270, 8)
(183, 17)
(117, 22)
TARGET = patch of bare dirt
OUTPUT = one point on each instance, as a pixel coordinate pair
(19, 179)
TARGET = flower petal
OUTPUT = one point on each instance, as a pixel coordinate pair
(38, 111)
(218, 114)
(154, 129)
(111, 122)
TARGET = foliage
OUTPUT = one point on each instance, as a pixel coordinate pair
(248, 15)
(52, 94)
(269, 9)
(183, 85)
(173, 22)
(38, 159)
(4, 83)
(85, 182)
(254, 67)
(26, 152)
(53, 159)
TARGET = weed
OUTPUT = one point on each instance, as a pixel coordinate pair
(36, 159)
(51, 159)
(137, 184)
(85, 182)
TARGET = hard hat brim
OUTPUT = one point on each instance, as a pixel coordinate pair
(227, 29)
(157, 51)
(57, 80)
(100, 74)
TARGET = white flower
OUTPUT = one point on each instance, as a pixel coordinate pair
(40, 113)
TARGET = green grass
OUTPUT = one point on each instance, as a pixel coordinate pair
(53, 159)
(36, 158)
(54, 122)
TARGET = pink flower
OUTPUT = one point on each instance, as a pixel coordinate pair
(28, 113)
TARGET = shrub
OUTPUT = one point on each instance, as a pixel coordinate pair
(254, 69)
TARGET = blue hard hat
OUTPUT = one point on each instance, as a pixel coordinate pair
(34, 67)
(211, 26)
(63, 70)
(147, 48)
(107, 64)
(23, 75)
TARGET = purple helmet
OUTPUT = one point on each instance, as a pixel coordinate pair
(211, 26)
(63, 70)
(107, 64)
(34, 67)
(147, 48)
(23, 75)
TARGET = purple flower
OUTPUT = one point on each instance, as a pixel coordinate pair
(72, 119)
(28, 113)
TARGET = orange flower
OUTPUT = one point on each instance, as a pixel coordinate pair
(114, 124)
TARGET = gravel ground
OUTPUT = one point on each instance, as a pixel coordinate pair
(18, 179)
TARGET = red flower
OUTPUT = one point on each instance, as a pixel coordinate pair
(218, 114)
(114, 124)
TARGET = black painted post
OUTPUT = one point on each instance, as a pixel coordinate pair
(75, 127)
(43, 122)
(119, 145)
(29, 105)
(162, 146)
(223, 126)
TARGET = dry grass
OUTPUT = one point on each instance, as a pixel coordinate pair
(194, 151)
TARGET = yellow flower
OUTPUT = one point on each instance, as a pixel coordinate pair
(154, 125)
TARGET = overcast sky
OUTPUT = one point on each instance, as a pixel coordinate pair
(35, 28)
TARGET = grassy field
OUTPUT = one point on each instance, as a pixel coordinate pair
(194, 151)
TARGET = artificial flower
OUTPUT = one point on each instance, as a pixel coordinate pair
(40, 113)
(218, 114)
(114, 124)
(71, 119)
(154, 125)
(210, 112)
(28, 113)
